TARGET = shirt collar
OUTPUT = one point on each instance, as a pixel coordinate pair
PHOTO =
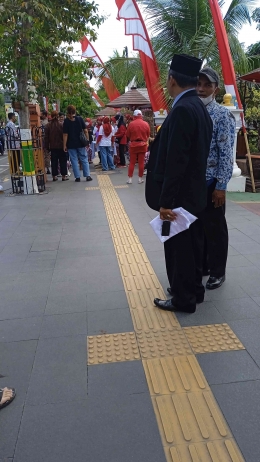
(180, 95)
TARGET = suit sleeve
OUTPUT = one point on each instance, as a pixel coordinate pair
(179, 147)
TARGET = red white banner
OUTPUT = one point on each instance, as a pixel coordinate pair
(135, 26)
(224, 52)
(97, 100)
(89, 52)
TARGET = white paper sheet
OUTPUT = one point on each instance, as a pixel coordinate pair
(183, 221)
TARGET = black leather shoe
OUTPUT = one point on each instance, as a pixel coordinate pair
(215, 283)
(199, 299)
(89, 178)
(77, 180)
(167, 305)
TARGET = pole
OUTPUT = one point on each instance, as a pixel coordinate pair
(249, 161)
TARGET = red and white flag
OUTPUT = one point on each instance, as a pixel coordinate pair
(224, 52)
(88, 51)
(135, 26)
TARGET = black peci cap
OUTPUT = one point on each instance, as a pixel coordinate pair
(186, 65)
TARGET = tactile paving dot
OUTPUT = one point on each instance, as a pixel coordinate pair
(189, 418)
(213, 451)
(162, 343)
(92, 188)
(180, 374)
(212, 338)
(121, 186)
(111, 348)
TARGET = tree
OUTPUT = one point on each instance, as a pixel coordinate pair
(31, 34)
(186, 26)
(124, 69)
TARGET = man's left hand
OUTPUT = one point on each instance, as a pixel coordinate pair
(219, 198)
(167, 214)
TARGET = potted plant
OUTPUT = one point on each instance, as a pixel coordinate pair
(252, 117)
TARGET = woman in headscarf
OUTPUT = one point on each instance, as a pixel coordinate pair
(105, 141)
(53, 135)
(122, 139)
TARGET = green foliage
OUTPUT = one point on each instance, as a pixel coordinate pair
(2, 107)
(84, 104)
(31, 37)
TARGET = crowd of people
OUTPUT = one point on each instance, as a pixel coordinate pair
(114, 139)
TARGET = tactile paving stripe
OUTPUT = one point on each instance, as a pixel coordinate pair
(160, 344)
(213, 451)
(92, 188)
(121, 186)
(180, 374)
(189, 418)
(112, 348)
(145, 319)
(212, 338)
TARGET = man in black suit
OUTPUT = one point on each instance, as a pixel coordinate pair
(176, 177)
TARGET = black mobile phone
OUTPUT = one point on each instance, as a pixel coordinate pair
(166, 226)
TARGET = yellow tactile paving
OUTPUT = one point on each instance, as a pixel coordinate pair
(112, 348)
(212, 338)
(213, 451)
(160, 344)
(149, 319)
(92, 188)
(189, 418)
(121, 186)
(179, 374)
(190, 423)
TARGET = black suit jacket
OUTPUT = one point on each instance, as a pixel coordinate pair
(176, 172)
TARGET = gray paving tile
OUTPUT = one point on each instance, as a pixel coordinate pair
(228, 367)
(119, 379)
(45, 245)
(238, 308)
(101, 283)
(44, 255)
(15, 330)
(206, 313)
(230, 289)
(235, 261)
(38, 265)
(247, 331)
(128, 420)
(66, 298)
(246, 248)
(60, 371)
(60, 325)
(254, 259)
(22, 308)
(105, 247)
(54, 432)
(16, 366)
(107, 301)
(109, 322)
(9, 428)
(240, 405)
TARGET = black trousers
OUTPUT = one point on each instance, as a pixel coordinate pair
(122, 154)
(216, 236)
(58, 155)
(184, 262)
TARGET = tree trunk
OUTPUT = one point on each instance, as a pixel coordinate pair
(22, 90)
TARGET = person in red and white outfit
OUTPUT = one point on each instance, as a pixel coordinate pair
(138, 133)
(120, 135)
(106, 141)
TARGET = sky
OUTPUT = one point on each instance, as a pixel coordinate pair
(111, 35)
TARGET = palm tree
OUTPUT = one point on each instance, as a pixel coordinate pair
(123, 70)
(186, 26)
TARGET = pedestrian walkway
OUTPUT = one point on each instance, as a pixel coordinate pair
(101, 375)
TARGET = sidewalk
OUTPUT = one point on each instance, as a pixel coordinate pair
(69, 265)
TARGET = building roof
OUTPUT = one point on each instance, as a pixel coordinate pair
(135, 97)
(253, 76)
(107, 111)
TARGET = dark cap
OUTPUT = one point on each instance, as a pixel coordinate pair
(186, 65)
(210, 74)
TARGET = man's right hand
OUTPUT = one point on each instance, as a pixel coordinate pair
(65, 149)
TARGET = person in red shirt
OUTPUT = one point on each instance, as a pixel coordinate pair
(121, 136)
(138, 133)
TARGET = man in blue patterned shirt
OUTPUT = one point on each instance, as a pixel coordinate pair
(219, 172)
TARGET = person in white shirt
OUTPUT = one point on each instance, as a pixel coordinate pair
(105, 141)
(13, 143)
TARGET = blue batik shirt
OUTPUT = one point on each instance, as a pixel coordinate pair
(220, 160)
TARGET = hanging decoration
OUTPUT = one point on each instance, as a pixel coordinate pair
(135, 26)
(89, 52)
